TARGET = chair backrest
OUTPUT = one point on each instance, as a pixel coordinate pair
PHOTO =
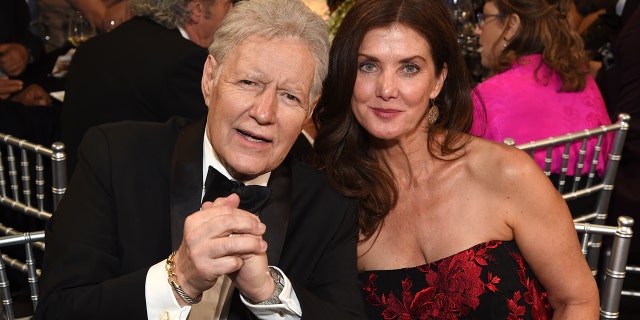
(581, 188)
(32, 157)
(25, 168)
(613, 278)
(27, 267)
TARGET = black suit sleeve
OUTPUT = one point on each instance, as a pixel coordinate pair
(319, 255)
(83, 274)
(332, 292)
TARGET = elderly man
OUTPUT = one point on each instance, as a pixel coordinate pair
(146, 69)
(146, 228)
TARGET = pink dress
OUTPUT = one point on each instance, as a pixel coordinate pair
(518, 106)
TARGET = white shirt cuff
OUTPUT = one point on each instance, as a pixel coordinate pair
(161, 303)
(288, 309)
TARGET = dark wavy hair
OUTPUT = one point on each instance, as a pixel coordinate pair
(544, 29)
(342, 146)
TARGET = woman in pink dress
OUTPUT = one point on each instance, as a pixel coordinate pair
(539, 85)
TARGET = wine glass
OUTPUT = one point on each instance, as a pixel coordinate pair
(80, 30)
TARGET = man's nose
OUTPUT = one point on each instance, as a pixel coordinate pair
(264, 109)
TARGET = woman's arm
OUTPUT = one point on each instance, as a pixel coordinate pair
(544, 232)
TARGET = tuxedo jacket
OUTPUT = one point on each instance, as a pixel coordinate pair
(124, 210)
(139, 71)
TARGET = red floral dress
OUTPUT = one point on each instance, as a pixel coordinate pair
(488, 281)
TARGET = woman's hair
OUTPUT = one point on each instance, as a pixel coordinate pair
(169, 13)
(544, 29)
(343, 146)
(274, 19)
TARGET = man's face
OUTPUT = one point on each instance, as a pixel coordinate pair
(259, 103)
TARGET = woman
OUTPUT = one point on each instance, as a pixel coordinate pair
(539, 84)
(451, 225)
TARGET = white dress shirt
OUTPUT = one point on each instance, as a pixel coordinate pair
(161, 302)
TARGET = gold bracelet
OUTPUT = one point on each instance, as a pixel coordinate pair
(173, 281)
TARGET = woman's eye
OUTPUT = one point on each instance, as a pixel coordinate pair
(411, 69)
(367, 67)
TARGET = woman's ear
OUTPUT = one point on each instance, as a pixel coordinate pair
(512, 27)
(440, 79)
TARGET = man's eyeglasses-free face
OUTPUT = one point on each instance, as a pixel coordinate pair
(483, 17)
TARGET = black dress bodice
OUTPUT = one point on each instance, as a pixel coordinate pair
(488, 281)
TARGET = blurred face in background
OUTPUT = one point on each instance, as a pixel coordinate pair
(206, 17)
(490, 30)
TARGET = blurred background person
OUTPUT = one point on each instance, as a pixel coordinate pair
(52, 21)
(539, 84)
(149, 68)
(19, 50)
(451, 225)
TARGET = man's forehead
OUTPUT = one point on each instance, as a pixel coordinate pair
(252, 59)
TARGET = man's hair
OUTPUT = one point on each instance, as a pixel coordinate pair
(274, 19)
(169, 13)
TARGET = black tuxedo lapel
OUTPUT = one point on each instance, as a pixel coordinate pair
(276, 214)
(186, 177)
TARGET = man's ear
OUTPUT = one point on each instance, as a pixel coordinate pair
(512, 27)
(313, 106)
(196, 11)
(208, 77)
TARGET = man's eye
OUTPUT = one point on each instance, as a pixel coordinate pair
(247, 82)
(291, 97)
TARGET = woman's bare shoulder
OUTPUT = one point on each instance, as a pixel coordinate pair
(499, 164)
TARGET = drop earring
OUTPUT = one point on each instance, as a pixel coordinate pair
(434, 112)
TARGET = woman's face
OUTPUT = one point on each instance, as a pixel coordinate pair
(394, 83)
(489, 32)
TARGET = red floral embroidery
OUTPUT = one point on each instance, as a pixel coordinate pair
(458, 278)
(516, 312)
(540, 308)
(453, 289)
(491, 284)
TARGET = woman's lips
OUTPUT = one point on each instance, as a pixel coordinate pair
(385, 113)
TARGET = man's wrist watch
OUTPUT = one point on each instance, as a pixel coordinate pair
(278, 280)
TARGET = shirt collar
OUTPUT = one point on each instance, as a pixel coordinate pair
(210, 158)
(184, 33)
(620, 6)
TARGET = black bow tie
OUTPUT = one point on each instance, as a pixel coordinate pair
(252, 198)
